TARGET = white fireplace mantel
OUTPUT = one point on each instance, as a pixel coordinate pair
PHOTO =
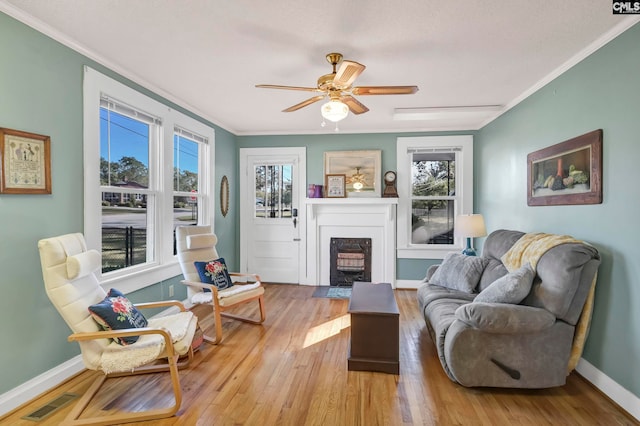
(373, 218)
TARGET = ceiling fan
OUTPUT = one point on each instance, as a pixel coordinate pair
(337, 88)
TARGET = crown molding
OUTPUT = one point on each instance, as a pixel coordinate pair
(623, 26)
(78, 47)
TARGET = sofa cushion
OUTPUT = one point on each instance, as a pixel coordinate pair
(499, 242)
(116, 312)
(494, 270)
(427, 293)
(504, 318)
(511, 288)
(565, 273)
(459, 272)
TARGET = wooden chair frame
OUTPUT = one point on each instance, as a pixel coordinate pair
(173, 365)
(219, 311)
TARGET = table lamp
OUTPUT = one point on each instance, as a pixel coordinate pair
(470, 226)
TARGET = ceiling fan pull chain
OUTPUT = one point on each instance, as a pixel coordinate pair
(336, 130)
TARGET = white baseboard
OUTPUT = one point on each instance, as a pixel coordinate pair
(408, 284)
(625, 399)
(48, 380)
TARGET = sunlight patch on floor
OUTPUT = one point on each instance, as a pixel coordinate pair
(326, 330)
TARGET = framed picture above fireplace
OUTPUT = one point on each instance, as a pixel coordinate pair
(361, 169)
(335, 186)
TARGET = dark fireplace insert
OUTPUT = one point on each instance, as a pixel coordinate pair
(350, 261)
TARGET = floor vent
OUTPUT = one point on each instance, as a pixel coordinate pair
(51, 407)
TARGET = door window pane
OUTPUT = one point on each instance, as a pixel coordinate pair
(287, 186)
(274, 188)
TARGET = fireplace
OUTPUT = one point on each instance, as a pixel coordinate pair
(350, 260)
(351, 218)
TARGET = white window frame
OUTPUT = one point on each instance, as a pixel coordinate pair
(464, 191)
(164, 264)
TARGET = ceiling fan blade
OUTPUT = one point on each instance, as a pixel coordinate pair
(354, 105)
(304, 103)
(347, 73)
(275, 86)
(385, 90)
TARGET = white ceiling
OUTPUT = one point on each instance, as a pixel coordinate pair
(207, 55)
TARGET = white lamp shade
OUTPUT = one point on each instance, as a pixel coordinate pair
(470, 225)
(334, 110)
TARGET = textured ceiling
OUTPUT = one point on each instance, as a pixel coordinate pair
(208, 55)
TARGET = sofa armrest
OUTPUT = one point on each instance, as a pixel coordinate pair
(505, 318)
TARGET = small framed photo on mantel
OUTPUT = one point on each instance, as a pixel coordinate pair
(335, 185)
(26, 163)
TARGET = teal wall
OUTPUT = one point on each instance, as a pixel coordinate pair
(41, 92)
(316, 145)
(601, 92)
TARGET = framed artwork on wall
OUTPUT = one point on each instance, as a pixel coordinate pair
(361, 170)
(335, 185)
(26, 162)
(566, 173)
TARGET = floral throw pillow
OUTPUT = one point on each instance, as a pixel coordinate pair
(214, 272)
(116, 312)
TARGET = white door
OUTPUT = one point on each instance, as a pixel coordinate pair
(272, 210)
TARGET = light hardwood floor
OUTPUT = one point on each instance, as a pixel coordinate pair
(292, 370)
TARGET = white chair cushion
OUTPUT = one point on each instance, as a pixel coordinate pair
(149, 347)
(201, 241)
(83, 264)
(237, 289)
(207, 297)
(117, 358)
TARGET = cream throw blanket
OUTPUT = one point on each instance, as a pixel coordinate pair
(530, 248)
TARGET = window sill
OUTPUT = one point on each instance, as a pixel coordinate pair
(142, 278)
(426, 253)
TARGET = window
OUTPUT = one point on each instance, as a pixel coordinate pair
(126, 137)
(435, 184)
(188, 152)
(147, 170)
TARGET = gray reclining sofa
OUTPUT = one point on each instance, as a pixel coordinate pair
(515, 344)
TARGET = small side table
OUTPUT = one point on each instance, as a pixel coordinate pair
(375, 329)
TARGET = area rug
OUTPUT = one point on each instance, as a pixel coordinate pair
(328, 292)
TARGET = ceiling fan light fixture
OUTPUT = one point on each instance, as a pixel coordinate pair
(334, 110)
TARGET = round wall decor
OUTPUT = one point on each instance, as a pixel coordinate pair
(224, 196)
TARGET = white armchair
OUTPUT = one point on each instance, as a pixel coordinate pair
(68, 270)
(197, 243)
